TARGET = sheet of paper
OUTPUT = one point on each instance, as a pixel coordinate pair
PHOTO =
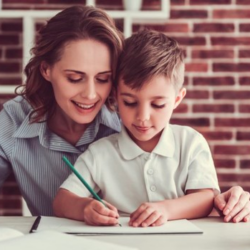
(55, 240)
(8, 233)
(77, 227)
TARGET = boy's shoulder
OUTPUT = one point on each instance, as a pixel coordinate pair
(186, 133)
(105, 143)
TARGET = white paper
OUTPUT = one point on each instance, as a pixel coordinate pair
(77, 227)
(8, 233)
(57, 241)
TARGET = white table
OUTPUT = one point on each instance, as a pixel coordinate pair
(217, 235)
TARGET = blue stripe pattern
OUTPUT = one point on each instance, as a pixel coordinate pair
(34, 153)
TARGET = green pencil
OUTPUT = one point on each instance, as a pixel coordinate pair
(95, 195)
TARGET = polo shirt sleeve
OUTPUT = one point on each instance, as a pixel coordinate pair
(201, 169)
(85, 164)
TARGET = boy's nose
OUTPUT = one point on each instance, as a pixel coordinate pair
(143, 115)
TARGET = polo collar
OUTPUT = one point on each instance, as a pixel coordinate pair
(130, 150)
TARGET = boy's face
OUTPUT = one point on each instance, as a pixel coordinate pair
(147, 111)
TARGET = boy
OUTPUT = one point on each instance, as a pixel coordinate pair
(152, 170)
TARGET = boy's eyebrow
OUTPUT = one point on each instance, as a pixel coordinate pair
(81, 72)
(153, 97)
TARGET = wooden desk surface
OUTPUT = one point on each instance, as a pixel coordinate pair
(217, 235)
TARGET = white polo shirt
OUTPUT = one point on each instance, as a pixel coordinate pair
(129, 176)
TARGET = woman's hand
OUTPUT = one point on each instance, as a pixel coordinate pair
(95, 213)
(234, 204)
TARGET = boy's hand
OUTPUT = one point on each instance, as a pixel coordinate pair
(149, 214)
(96, 214)
(234, 204)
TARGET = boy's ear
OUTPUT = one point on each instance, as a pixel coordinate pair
(45, 70)
(179, 97)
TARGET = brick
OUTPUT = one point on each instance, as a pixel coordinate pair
(11, 190)
(205, 2)
(182, 108)
(232, 122)
(193, 122)
(217, 135)
(233, 41)
(245, 164)
(171, 27)
(231, 67)
(243, 2)
(24, 1)
(196, 67)
(13, 26)
(245, 27)
(10, 81)
(13, 53)
(191, 41)
(68, 1)
(212, 54)
(213, 27)
(197, 94)
(238, 178)
(243, 136)
(177, 2)
(11, 203)
(213, 108)
(214, 81)
(244, 80)
(238, 14)
(244, 108)
(231, 95)
(224, 163)
(9, 67)
(1, 52)
(9, 39)
(190, 14)
(244, 53)
(232, 149)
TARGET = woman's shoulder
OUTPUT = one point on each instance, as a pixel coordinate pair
(13, 114)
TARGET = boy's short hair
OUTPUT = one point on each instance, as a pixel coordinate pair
(149, 53)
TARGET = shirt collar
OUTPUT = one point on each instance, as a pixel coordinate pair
(130, 150)
(31, 130)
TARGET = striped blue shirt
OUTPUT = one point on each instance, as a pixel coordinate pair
(34, 153)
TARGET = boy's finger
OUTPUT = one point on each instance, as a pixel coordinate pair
(137, 212)
(242, 214)
(151, 219)
(99, 219)
(142, 217)
(160, 221)
(233, 199)
(102, 210)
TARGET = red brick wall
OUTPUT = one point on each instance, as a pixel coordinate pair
(216, 38)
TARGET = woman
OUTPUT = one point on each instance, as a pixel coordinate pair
(61, 108)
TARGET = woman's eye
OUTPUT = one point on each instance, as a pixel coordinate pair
(158, 106)
(130, 104)
(74, 80)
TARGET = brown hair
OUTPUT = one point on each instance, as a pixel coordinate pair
(146, 54)
(77, 22)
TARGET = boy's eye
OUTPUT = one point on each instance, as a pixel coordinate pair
(158, 106)
(130, 104)
(101, 80)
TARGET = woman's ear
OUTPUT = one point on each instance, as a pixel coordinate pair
(180, 97)
(45, 71)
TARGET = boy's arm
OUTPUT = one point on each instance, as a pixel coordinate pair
(195, 204)
(69, 205)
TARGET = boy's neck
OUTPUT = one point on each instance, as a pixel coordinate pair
(147, 146)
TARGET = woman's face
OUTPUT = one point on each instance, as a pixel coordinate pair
(81, 79)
